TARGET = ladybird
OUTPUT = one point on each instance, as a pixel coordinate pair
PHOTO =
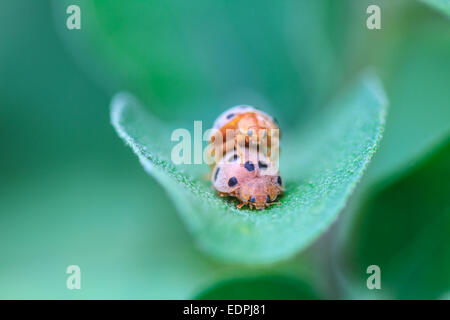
(249, 127)
(256, 184)
(230, 114)
(259, 193)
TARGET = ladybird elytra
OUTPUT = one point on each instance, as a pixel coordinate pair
(248, 126)
(232, 182)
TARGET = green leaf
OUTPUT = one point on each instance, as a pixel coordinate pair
(272, 287)
(320, 164)
(129, 245)
(191, 55)
(404, 228)
(416, 80)
(441, 5)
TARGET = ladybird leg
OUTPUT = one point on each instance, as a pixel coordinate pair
(216, 142)
(240, 205)
(278, 203)
(216, 136)
(212, 149)
(209, 153)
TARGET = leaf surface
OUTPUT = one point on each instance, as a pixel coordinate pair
(320, 164)
(403, 228)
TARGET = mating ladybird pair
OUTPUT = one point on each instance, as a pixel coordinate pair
(243, 167)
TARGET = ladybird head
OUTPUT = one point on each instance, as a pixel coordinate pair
(259, 192)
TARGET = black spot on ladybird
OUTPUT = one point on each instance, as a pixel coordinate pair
(231, 115)
(250, 132)
(262, 165)
(268, 199)
(249, 166)
(232, 182)
(252, 199)
(217, 172)
(279, 180)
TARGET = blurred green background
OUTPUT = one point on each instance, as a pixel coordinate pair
(71, 193)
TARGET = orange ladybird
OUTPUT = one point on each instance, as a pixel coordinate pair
(244, 126)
